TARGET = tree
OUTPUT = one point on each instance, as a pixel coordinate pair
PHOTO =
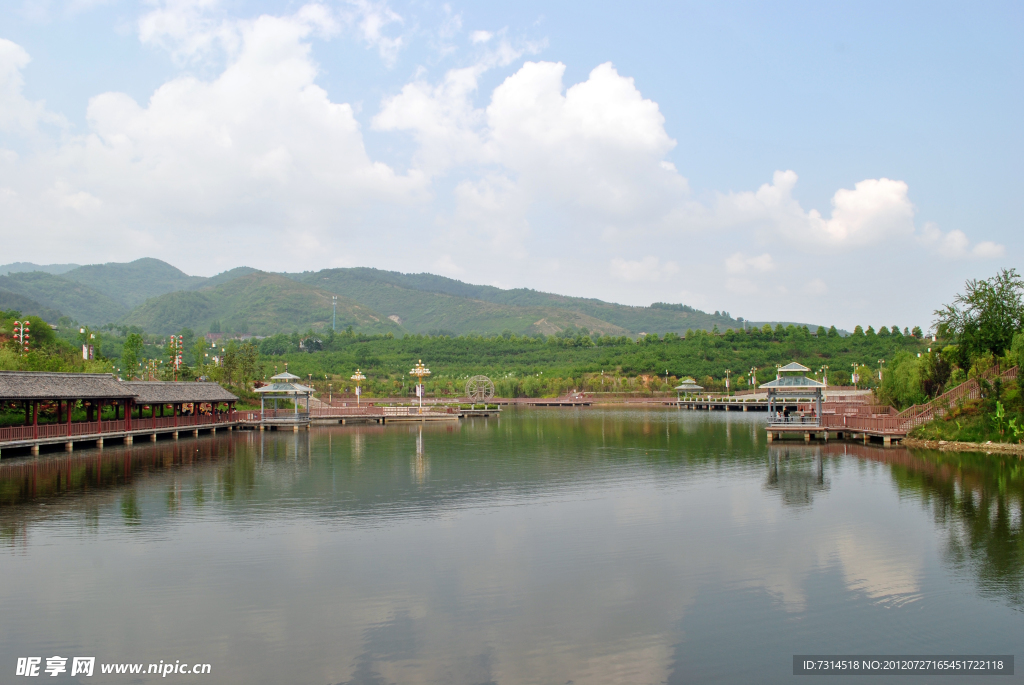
(229, 362)
(985, 317)
(901, 383)
(130, 355)
(248, 362)
(199, 355)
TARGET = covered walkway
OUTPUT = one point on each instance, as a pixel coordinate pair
(65, 408)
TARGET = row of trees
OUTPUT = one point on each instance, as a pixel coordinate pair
(532, 366)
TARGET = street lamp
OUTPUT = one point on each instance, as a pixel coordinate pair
(824, 374)
(334, 320)
(853, 376)
(21, 330)
(420, 372)
(880, 362)
(727, 374)
(358, 377)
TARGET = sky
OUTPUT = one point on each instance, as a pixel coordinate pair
(833, 163)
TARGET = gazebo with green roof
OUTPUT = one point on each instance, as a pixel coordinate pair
(284, 385)
(688, 386)
(792, 384)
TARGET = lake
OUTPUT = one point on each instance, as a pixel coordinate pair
(598, 545)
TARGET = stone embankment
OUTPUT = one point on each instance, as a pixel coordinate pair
(957, 446)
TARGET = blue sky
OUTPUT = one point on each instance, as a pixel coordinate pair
(792, 161)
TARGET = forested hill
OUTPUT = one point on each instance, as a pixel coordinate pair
(444, 304)
(160, 298)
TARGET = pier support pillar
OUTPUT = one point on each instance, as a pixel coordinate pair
(770, 436)
(128, 439)
(152, 437)
(174, 435)
(99, 442)
(261, 427)
(867, 438)
(887, 441)
(69, 446)
(35, 449)
(807, 436)
(195, 433)
(744, 406)
(213, 431)
(295, 429)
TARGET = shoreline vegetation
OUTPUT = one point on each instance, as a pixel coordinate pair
(980, 331)
(958, 446)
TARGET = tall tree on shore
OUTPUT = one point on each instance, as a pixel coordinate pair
(130, 355)
(985, 317)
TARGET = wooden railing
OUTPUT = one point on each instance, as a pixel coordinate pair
(85, 428)
(970, 390)
(883, 419)
(255, 416)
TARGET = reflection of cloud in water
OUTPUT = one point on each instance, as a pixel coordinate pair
(875, 570)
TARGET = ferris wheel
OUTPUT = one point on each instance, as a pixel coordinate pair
(479, 389)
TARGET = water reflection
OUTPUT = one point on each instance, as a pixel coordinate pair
(796, 474)
(592, 546)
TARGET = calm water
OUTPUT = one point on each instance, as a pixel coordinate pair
(547, 546)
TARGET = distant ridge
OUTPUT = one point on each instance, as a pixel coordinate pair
(21, 267)
(161, 298)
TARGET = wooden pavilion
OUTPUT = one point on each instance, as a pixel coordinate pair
(284, 385)
(792, 385)
(688, 387)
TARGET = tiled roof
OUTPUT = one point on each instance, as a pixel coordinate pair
(32, 385)
(169, 392)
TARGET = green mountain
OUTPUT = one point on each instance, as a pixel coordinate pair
(421, 311)
(258, 303)
(20, 267)
(13, 302)
(224, 277)
(425, 302)
(59, 293)
(135, 282)
(161, 298)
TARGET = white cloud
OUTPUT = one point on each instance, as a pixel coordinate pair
(261, 146)
(988, 250)
(18, 114)
(955, 244)
(480, 37)
(189, 30)
(875, 210)
(372, 19)
(598, 147)
(739, 263)
(647, 269)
